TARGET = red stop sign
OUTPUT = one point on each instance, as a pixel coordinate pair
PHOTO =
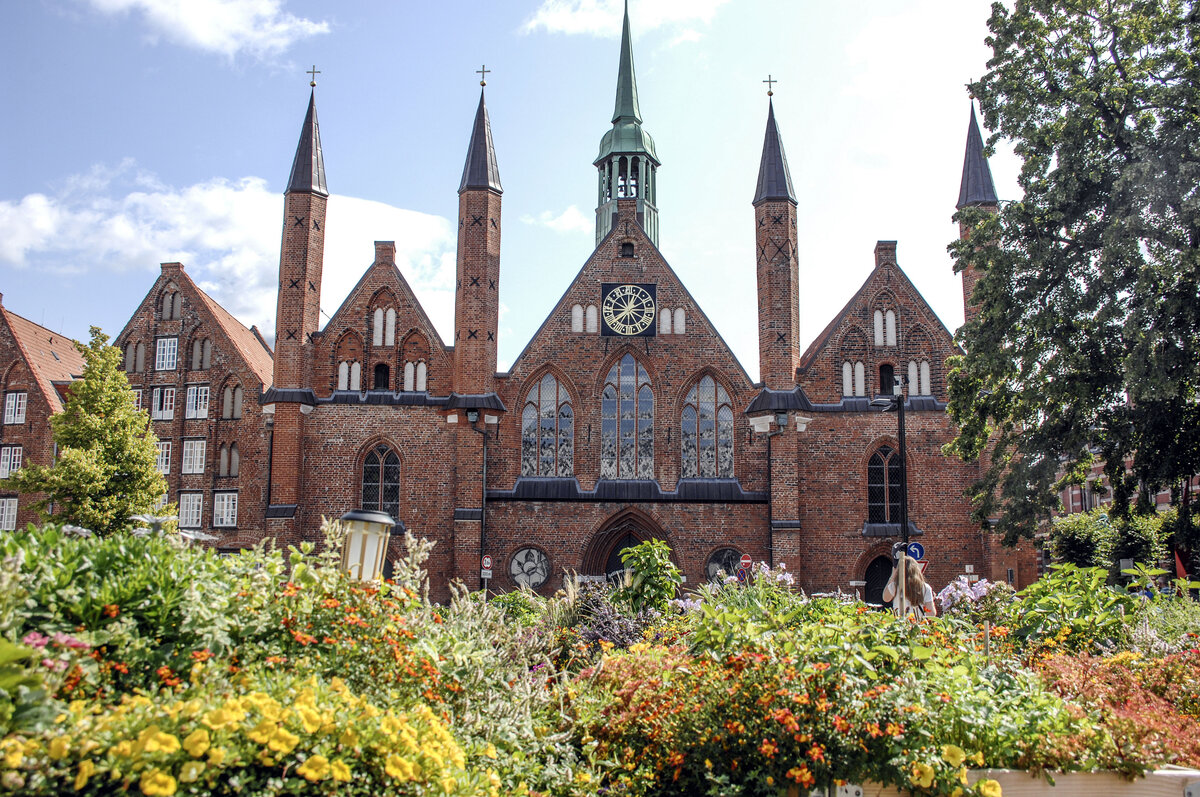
(746, 561)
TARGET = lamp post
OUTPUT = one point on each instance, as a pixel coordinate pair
(365, 549)
(890, 404)
(781, 421)
(473, 418)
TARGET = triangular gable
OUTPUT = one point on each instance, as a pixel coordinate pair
(405, 293)
(50, 357)
(812, 353)
(643, 240)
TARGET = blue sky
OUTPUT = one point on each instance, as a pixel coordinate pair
(144, 131)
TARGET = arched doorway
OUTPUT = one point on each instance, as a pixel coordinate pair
(602, 558)
(878, 573)
(615, 567)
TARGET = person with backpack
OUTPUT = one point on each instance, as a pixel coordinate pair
(918, 596)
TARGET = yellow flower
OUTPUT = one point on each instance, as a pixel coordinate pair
(953, 755)
(398, 768)
(152, 740)
(86, 770)
(962, 775)
(337, 684)
(190, 771)
(196, 743)
(262, 732)
(977, 759)
(448, 785)
(156, 783)
(989, 788)
(583, 777)
(340, 770)
(958, 792)
(490, 750)
(493, 779)
(124, 749)
(349, 738)
(59, 748)
(13, 752)
(283, 742)
(391, 725)
(310, 719)
(216, 756)
(314, 769)
(922, 775)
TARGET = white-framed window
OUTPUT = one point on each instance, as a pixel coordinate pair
(163, 406)
(197, 402)
(225, 509)
(166, 353)
(14, 407)
(164, 457)
(10, 460)
(191, 508)
(8, 514)
(193, 456)
(137, 397)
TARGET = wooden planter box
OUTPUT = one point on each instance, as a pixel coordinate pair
(1172, 782)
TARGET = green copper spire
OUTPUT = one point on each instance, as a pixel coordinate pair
(627, 99)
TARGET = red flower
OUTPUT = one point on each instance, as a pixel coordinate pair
(111, 610)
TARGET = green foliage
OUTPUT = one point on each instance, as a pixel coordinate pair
(1082, 539)
(25, 707)
(106, 469)
(1087, 342)
(654, 579)
(1072, 608)
(521, 606)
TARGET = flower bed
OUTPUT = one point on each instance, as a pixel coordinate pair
(142, 665)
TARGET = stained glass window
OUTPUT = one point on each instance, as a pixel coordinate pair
(706, 436)
(529, 568)
(381, 481)
(883, 486)
(547, 424)
(627, 422)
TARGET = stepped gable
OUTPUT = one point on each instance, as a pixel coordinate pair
(51, 357)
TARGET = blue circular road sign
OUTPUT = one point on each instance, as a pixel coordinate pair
(916, 550)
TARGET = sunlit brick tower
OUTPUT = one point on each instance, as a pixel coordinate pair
(297, 318)
(474, 405)
(778, 340)
(976, 190)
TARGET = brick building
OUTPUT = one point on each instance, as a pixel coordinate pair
(625, 417)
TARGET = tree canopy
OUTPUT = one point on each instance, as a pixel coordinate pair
(1087, 341)
(106, 470)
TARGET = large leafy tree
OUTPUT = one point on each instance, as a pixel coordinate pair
(1087, 343)
(106, 469)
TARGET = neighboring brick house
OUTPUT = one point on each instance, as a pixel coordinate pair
(199, 373)
(626, 416)
(38, 366)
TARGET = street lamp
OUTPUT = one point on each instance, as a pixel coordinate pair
(895, 403)
(365, 549)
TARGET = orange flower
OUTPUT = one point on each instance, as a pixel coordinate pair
(801, 775)
(768, 748)
(817, 753)
(111, 610)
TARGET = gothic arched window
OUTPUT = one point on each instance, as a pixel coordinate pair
(706, 439)
(381, 481)
(383, 377)
(547, 425)
(627, 423)
(883, 486)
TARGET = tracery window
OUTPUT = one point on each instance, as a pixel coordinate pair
(547, 426)
(883, 486)
(706, 439)
(627, 422)
(381, 481)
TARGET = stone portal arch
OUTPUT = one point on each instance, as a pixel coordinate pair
(623, 530)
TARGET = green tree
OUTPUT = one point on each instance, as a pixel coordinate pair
(106, 468)
(1087, 344)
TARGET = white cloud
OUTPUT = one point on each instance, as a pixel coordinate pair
(570, 220)
(226, 233)
(229, 27)
(603, 17)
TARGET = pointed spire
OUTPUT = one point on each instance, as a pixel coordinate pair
(480, 170)
(627, 98)
(774, 178)
(977, 187)
(308, 168)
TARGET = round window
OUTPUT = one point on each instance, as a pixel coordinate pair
(529, 568)
(723, 562)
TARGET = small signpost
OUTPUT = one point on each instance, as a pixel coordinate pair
(924, 563)
(916, 550)
(485, 567)
(744, 568)
(746, 561)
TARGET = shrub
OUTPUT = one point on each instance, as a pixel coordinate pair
(1081, 539)
(654, 579)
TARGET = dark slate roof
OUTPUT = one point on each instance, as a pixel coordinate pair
(480, 170)
(774, 178)
(694, 491)
(282, 510)
(403, 398)
(626, 106)
(482, 401)
(889, 529)
(977, 187)
(769, 400)
(274, 395)
(308, 169)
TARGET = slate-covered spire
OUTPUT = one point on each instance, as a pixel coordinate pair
(977, 187)
(627, 96)
(480, 170)
(774, 178)
(308, 168)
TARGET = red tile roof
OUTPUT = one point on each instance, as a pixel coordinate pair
(249, 343)
(52, 357)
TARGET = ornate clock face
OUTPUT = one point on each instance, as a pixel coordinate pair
(628, 310)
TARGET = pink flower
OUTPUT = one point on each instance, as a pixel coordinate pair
(36, 640)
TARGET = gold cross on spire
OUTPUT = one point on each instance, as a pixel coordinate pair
(483, 73)
(314, 72)
(770, 81)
